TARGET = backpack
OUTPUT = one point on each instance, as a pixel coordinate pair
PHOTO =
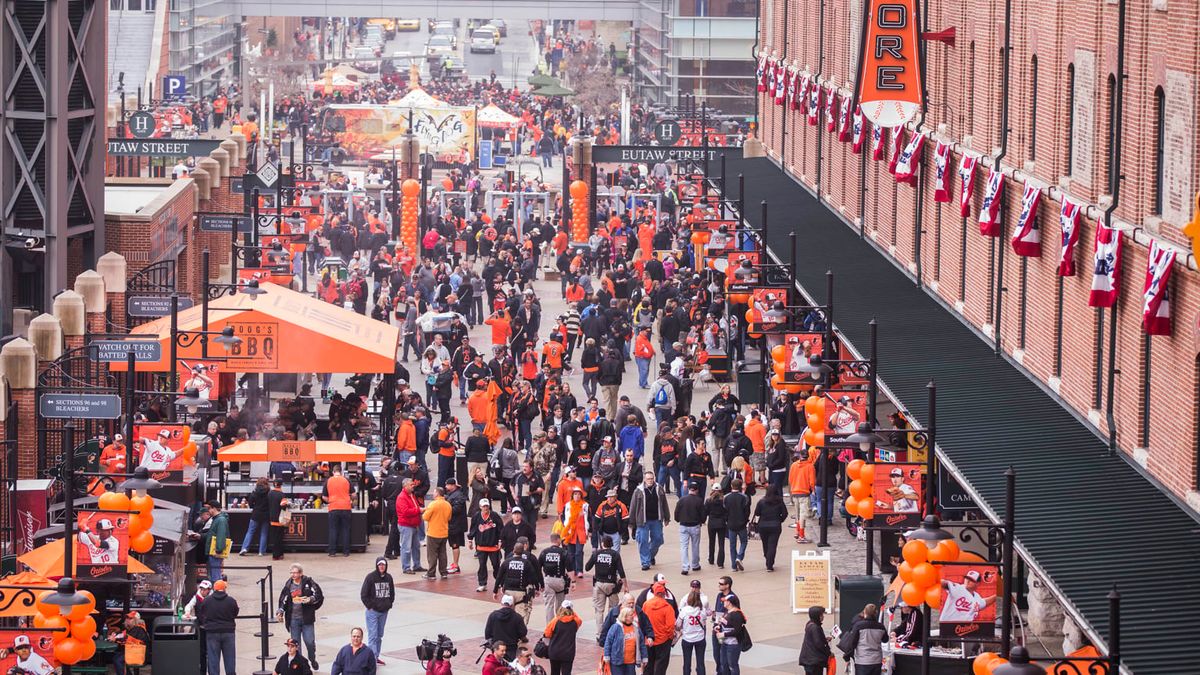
(660, 396)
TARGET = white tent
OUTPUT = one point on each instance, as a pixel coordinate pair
(418, 98)
(493, 116)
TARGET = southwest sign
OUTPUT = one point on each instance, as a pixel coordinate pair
(154, 147)
(652, 154)
(890, 88)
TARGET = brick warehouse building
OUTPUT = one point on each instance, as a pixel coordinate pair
(1062, 67)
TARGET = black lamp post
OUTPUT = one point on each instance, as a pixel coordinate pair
(1018, 664)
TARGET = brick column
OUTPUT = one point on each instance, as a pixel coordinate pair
(113, 270)
(69, 310)
(18, 362)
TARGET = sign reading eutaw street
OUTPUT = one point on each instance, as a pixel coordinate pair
(116, 351)
(80, 406)
(160, 147)
(650, 154)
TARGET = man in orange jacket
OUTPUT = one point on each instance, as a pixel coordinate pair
(479, 405)
(406, 438)
(643, 355)
(568, 484)
(802, 475)
(662, 619)
(756, 431)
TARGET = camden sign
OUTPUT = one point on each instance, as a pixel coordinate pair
(653, 154)
(160, 147)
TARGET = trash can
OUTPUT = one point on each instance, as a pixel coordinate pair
(750, 384)
(176, 642)
(851, 594)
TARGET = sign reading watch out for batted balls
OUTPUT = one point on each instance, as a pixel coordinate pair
(890, 90)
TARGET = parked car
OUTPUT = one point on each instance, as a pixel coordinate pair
(483, 40)
(448, 29)
(388, 26)
(365, 59)
(439, 46)
(501, 25)
(408, 25)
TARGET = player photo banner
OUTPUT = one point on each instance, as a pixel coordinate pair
(969, 592)
(101, 545)
(1068, 223)
(763, 301)
(800, 346)
(741, 278)
(29, 652)
(849, 407)
(897, 490)
(164, 449)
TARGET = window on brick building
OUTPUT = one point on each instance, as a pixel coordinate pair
(1160, 130)
(1033, 107)
(971, 91)
(1070, 113)
(1110, 99)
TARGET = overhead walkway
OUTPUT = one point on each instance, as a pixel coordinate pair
(1085, 520)
(510, 10)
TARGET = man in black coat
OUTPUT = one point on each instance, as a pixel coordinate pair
(505, 626)
(392, 483)
(275, 499)
(218, 614)
(378, 594)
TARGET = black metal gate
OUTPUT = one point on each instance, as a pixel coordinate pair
(78, 371)
(156, 279)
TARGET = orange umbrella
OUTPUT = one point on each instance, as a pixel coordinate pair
(10, 600)
(47, 560)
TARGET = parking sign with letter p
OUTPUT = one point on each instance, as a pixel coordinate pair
(174, 86)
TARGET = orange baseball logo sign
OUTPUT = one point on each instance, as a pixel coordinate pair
(890, 90)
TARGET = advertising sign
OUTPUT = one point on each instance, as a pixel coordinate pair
(968, 600)
(274, 275)
(258, 351)
(847, 409)
(812, 581)
(101, 545)
(29, 512)
(30, 652)
(889, 79)
(160, 448)
(951, 495)
(740, 279)
(292, 451)
(134, 147)
(800, 347)
(897, 491)
(368, 130)
(203, 376)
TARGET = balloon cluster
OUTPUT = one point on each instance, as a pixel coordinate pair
(410, 191)
(73, 631)
(921, 575)
(987, 663)
(581, 227)
(701, 237)
(862, 477)
(779, 358)
(141, 540)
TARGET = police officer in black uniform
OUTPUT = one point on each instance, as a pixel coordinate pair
(608, 580)
(556, 580)
(520, 577)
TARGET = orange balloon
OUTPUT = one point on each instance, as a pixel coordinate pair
(779, 369)
(779, 353)
(579, 190)
(410, 187)
(739, 298)
(859, 489)
(816, 423)
(933, 596)
(810, 405)
(139, 524)
(915, 553)
(142, 505)
(925, 575)
(45, 608)
(947, 550)
(52, 623)
(142, 543)
(820, 405)
(749, 317)
(39, 620)
(810, 437)
(819, 438)
(776, 382)
(79, 612)
(912, 595)
(867, 474)
(866, 509)
(980, 665)
(83, 630)
(852, 505)
(113, 501)
(905, 571)
(793, 388)
(854, 467)
(68, 651)
(89, 649)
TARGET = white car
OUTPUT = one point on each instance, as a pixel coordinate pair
(365, 59)
(483, 40)
(446, 28)
(438, 47)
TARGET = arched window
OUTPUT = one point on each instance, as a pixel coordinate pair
(1033, 107)
(1160, 130)
(1070, 115)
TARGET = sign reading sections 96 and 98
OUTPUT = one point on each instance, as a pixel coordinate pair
(258, 352)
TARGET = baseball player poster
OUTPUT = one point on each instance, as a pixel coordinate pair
(897, 491)
(101, 544)
(969, 593)
(161, 448)
(29, 652)
(800, 347)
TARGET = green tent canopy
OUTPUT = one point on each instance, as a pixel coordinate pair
(553, 90)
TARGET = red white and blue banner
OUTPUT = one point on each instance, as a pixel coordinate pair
(814, 102)
(1156, 295)
(858, 133)
(966, 177)
(897, 148)
(1027, 237)
(789, 97)
(763, 71)
(876, 142)
(1106, 267)
(1068, 223)
(844, 120)
(910, 160)
(801, 84)
(989, 212)
(830, 117)
(780, 81)
(941, 177)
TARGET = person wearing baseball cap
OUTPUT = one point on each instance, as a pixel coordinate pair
(113, 459)
(292, 662)
(30, 661)
(203, 589)
(218, 614)
(963, 602)
(904, 497)
(505, 626)
(484, 536)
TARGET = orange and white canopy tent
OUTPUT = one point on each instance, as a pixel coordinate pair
(282, 331)
(303, 451)
(492, 116)
(47, 560)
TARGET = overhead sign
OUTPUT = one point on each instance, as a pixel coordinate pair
(154, 306)
(890, 92)
(142, 124)
(174, 86)
(122, 147)
(291, 451)
(80, 406)
(651, 154)
(115, 351)
(812, 581)
(485, 155)
(268, 173)
(667, 132)
(259, 349)
(223, 222)
(951, 495)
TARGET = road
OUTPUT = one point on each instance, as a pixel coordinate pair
(514, 58)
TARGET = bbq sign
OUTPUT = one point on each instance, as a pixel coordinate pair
(890, 91)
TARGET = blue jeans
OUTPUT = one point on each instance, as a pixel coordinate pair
(524, 426)
(375, 624)
(297, 629)
(643, 366)
(689, 558)
(339, 531)
(821, 495)
(575, 557)
(718, 655)
(662, 415)
(402, 456)
(736, 553)
(410, 548)
(731, 654)
(623, 668)
(688, 649)
(649, 537)
(668, 473)
(261, 530)
(215, 566)
(462, 392)
(221, 646)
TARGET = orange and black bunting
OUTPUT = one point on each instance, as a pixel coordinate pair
(890, 89)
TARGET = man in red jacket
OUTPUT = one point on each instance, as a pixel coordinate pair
(408, 519)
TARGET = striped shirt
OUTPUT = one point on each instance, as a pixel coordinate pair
(571, 321)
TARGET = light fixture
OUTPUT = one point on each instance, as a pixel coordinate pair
(227, 339)
(192, 401)
(65, 596)
(252, 289)
(1018, 664)
(930, 533)
(815, 368)
(140, 482)
(865, 437)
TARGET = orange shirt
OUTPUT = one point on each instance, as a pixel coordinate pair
(406, 436)
(802, 476)
(501, 330)
(338, 489)
(642, 347)
(552, 352)
(445, 450)
(574, 293)
(757, 433)
(565, 487)
(477, 406)
(662, 618)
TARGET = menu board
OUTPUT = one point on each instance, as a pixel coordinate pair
(812, 581)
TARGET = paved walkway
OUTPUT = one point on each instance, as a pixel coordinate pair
(425, 608)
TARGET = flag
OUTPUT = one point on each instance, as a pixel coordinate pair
(941, 180)
(910, 160)
(1156, 296)
(876, 142)
(989, 212)
(1027, 238)
(789, 96)
(780, 77)
(844, 120)
(830, 118)
(897, 148)
(761, 74)
(1068, 222)
(966, 176)
(801, 82)
(814, 102)
(1106, 267)
(857, 134)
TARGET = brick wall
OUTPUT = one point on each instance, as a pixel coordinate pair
(1064, 146)
(131, 235)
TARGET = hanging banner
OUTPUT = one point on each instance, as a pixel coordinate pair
(814, 102)
(780, 82)
(101, 545)
(163, 449)
(789, 96)
(989, 211)
(844, 120)
(1027, 237)
(910, 160)
(830, 118)
(1156, 295)
(800, 346)
(966, 176)
(848, 408)
(799, 89)
(898, 491)
(739, 278)
(897, 138)
(204, 377)
(890, 91)
(857, 134)
(1106, 267)
(801, 102)
(941, 179)
(1068, 223)
(28, 652)
(876, 143)
(760, 75)
(366, 130)
(968, 600)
